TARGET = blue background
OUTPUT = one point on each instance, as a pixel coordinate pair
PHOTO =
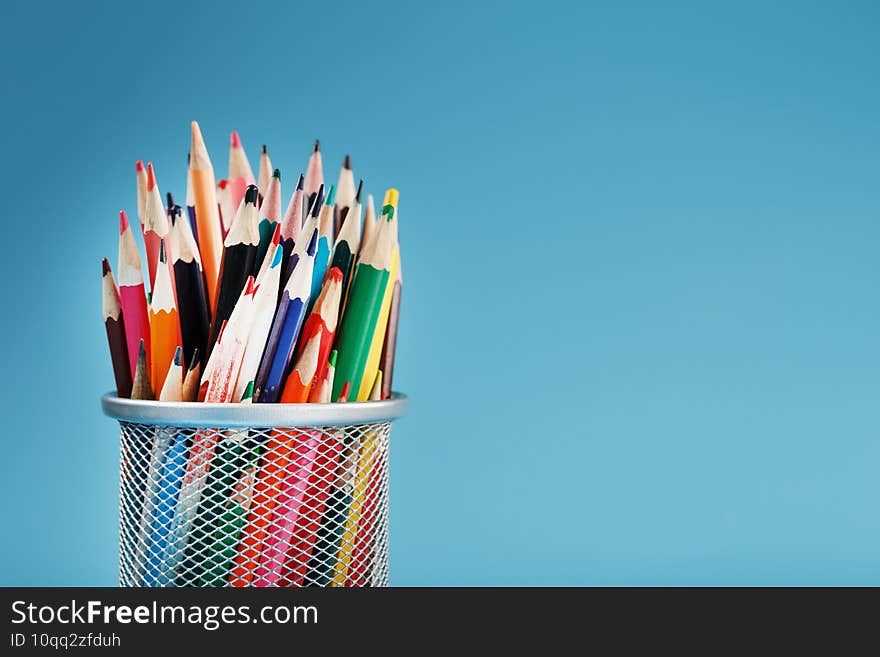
(640, 315)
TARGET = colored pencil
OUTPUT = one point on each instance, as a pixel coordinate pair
(329, 534)
(366, 298)
(190, 391)
(171, 473)
(310, 225)
(361, 552)
(189, 280)
(323, 318)
(156, 227)
(240, 174)
(207, 216)
(172, 389)
(224, 472)
(239, 252)
(292, 508)
(291, 224)
(270, 216)
(354, 518)
(300, 380)
(348, 241)
(114, 323)
(286, 327)
(229, 527)
(265, 172)
(141, 387)
(314, 174)
(371, 366)
(322, 393)
(325, 243)
(389, 344)
(223, 373)
(305, 529)
(164, 321)
(132, 294)
(345, 193)
(274, 244)
(263, 312)
(190, 202)
(141, 179)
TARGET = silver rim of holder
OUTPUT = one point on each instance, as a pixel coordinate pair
(197, 414)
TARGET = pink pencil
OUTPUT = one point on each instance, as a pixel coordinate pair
(314, 174)
(240, 173)
(132, 294)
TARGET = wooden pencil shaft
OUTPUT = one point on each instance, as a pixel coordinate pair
(389, 346)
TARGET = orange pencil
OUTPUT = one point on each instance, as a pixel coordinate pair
(324, 318)
(299, 383)
(207, 214)
(164, 322)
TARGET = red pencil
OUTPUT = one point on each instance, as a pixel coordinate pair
(156, 227)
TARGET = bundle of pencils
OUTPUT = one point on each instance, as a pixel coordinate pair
(243, 297)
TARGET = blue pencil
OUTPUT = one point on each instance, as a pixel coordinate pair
(286, 326)
(325, 243)
(171, 474)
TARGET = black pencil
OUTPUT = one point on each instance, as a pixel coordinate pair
(239, 255)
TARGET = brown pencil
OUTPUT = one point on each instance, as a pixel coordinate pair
(114, 323)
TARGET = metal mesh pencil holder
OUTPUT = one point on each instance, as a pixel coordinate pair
(253, 494)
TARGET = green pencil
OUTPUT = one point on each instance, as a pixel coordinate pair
(364, 305)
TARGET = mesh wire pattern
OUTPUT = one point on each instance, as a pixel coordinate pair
(302, 506)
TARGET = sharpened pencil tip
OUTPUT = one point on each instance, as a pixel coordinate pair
(194, 361)
(346, 163)
(142, 351)
(331, 196)
(264, 149)
(123, 221)
(170, 200)
(300, 182)
(332, 359)
(313, 243)
(319, 201)
(105, 267)
(357, 197)
(178, 356)
(234, 140)
(151, 177)
(162, 251)
(317, 146)
(139, 165)
(277, 174)
(248, 391)
(250, 195)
